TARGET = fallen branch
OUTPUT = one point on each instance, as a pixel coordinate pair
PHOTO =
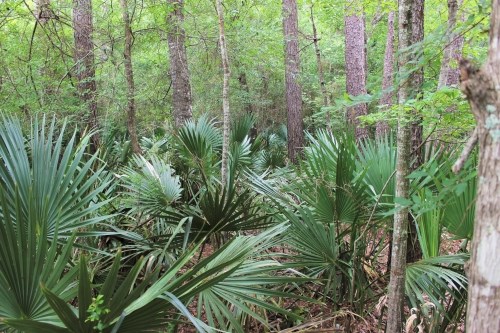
(469, 146)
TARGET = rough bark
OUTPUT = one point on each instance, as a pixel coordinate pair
(416, 81)
(355, 62)
(179, 70)
(84, 59)
(400, 230)
(43, 12)
(414, 251)
(382, 127)
(225, 92)
(321, 76)
(449, 72)
(129, 75)
(293, 90)
(482, 88)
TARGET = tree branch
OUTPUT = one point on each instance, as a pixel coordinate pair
(469, 146)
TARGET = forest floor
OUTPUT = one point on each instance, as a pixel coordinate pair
(327, 317)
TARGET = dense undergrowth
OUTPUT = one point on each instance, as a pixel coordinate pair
(112, 242)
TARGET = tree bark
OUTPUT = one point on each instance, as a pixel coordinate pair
(179, 70)
(482, 88)
(321, 76)
(293, 96)
(400, 230)
(417, 79)
(448, 74)
(43, 12)
(84, 59)
(225, 93)
(414, 252)
(129, 75)
(355, 60)
(382, 127)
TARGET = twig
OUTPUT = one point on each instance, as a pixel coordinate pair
(469, 146)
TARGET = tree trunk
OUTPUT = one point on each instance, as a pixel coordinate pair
(84, 59)
(417, 79)
(355, 61)
(400, 230)
(482, 89)
(129, 75)
(179, 70)
(449, 73)
(321, 76)
(225, 93)
(292, 70)
(414, 251)
(43, 12)
(382, 127)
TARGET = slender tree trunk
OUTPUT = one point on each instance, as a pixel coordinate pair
(382, 127)
(84, 58)
(43, 13)
(129, 75)
(292, 71)
(449, 73)
(482, 89)
(417, 80)
(225, 92)
(355, 61)
(400, 230)
(414, 251)
(321, 76)
(179, 70)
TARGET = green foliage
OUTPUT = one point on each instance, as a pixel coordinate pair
(48, 194)
(95, 311)
(52, 176)
(337, 204)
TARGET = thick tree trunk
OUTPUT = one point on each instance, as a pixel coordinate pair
(400, 230)
(382, 127)
(84, 59)
(225, 93)
(179, 70)
(321, 76)
(482, 89)
(355, 61)
(292, 70)
(129, 75)
(449, 73)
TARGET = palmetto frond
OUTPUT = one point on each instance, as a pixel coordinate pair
(48, 193)
(153, 187)
(436, 278)
(53, 177)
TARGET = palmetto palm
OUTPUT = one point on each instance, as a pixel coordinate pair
(48, 194)
(232, 277)
(192, 193)
(442, 202)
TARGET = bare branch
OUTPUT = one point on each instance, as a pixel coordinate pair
(469, 146)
